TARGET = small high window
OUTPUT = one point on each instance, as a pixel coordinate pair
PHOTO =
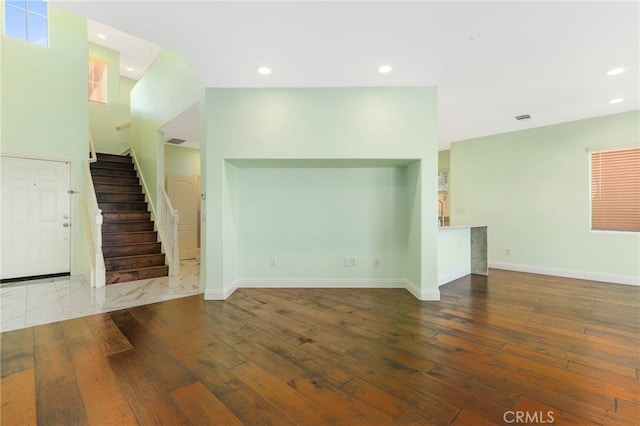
(27, 20)
(615, 190)
(97, 81)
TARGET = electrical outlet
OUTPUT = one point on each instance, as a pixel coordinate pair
(353, 261)
(274, 261)
(347, 262)
(507, 252)
(376, 262)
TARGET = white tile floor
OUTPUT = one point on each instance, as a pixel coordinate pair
(29, 303)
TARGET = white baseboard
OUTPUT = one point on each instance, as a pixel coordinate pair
(321, 283)
(423, 295)
(221, 294)
(453, 276)
(568, 273)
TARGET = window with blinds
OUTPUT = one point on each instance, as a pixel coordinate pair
(97, 81)
(615, 190)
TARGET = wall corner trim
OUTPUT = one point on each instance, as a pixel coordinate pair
(221, 294)
(423, 295)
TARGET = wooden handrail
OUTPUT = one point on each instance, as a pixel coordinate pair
(123, 125)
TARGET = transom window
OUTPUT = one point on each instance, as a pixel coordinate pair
(27, 20)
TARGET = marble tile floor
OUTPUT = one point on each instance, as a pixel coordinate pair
(28, 303)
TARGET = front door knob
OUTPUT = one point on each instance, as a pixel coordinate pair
(66, 225)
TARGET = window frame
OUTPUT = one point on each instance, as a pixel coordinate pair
(104, 83)
(592, 152)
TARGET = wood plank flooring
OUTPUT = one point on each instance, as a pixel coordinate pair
(546, 349)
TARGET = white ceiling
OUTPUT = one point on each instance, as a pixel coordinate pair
(490, 61)
(136, 54)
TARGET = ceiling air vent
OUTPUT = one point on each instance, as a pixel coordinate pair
(176, 141)
(523, 117)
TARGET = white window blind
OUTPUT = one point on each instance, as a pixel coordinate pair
(615, 190)
(97, 81)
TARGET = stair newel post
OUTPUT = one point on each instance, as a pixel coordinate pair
(99, 262)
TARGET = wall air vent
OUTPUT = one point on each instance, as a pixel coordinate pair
(176, 141)
(523, 117)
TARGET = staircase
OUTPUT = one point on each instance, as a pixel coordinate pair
(129, 242)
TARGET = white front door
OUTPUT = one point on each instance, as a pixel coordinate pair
(35, 217)
(184, 193)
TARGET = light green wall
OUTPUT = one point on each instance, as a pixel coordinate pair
(303, 124)
(167, 88)
(310, 219)
(532, 189)
(103, 118)
(44, 105)
(181, 161)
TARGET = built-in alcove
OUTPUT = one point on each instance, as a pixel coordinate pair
(322, 222)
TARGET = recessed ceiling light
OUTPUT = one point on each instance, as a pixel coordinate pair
(102, 36)
(616, 101)
(264, 70)
(384, 69)
(129, 69)
(615, 71)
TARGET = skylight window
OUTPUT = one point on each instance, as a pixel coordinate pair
(27, 20)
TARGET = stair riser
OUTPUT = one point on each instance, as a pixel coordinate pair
(121, 277)
(123, 207)
(134, 262)
(115, 180)
(108, 187)
(130, 237)
(131, 250)
(110, 217)
(111, 165)
(113, 172)
(123, 197)
(114, 158)
(127, 226)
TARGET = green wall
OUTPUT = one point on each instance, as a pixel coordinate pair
(181, 161)
(532, 189)
(167, 88)
(444, 158)
(310, 219)
(103, 118)
(44, 105)
(299, 125)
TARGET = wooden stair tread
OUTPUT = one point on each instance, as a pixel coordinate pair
(137, 256)
(144, 268)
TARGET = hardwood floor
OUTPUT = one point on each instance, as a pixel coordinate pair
(494, 350)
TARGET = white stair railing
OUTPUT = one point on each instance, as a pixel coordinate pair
(168, 227)
(166, 222)
(92, 215)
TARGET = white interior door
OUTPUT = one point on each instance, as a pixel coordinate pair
(35, 217)
(184, 193)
